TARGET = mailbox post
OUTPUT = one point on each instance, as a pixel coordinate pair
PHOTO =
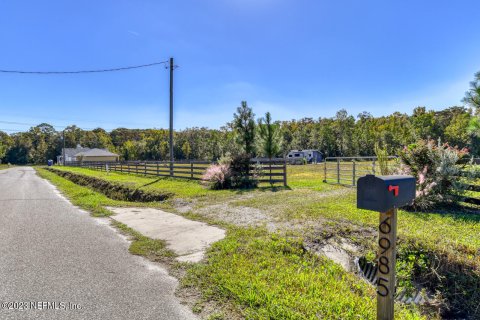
(385, 194)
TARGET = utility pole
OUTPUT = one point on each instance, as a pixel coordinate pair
(63, 150)
(171, 116)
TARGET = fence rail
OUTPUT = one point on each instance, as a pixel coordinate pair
(272, 171)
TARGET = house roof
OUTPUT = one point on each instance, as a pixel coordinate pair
(96, 153)
(71, 152)
(305, 150)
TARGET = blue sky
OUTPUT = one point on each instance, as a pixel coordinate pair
(294, 58)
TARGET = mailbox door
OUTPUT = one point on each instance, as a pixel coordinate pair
(371, 194)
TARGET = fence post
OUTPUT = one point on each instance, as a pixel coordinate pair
(171, 168)
(373, 166)
(145, 168)
(325, 171)
(270, 169)
(191, 169)
(353, 178)
(158, 172)
(285, 173)
(136, 167)
(338, 171)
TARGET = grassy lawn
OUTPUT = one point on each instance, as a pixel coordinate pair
(267, 275)
(4, 166)
(181, 188)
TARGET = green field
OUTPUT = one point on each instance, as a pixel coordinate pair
(266, 274)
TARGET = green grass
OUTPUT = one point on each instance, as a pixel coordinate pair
(453, 228)
(180, 187)
(269, 276)
(80, 196)
(308, 177)
(4, 166)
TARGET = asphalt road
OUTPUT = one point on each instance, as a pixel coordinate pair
(52, 252)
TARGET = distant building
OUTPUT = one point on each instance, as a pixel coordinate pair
(86, 154)
(310, 156)
(97, 155)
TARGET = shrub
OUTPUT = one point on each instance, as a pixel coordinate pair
(236, 172)
(242, 175)
(218, 176)
(437, 171)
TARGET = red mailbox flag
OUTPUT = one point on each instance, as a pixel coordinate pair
(395, 190)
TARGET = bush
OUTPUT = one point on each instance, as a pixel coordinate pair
(242, 175)
(218, 176)
(233, 172)
(437, 171)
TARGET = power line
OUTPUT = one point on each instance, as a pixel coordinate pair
(73, 121)
(12, 130)
(165, 63)
(35, 125)
(117, 126)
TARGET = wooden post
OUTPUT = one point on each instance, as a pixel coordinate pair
(191, 169)
(158, 172)
(270, 169)
(325, 171)
(338, 171)
(285, 173)
(145, 168)
(354, 174)
(387, 231)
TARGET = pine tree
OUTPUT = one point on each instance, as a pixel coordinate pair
(244, 126)
(270, 139)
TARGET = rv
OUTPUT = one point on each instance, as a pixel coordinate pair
(302, 156)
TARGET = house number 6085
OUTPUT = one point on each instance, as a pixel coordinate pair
(383, 263)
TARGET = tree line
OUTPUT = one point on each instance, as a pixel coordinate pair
(341, 135)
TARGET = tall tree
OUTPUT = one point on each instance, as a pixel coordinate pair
(269, 137)
(244, 126)
(472, 96)
(5, 144)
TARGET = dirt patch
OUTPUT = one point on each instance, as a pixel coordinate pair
(240, 216)
(182, 206)
(330, 243)
(112, 190)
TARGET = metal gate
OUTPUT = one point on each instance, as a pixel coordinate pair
(346, 170)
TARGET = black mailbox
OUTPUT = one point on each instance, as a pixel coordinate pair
(382, 193)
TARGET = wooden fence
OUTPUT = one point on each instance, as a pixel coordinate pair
(271, 171)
